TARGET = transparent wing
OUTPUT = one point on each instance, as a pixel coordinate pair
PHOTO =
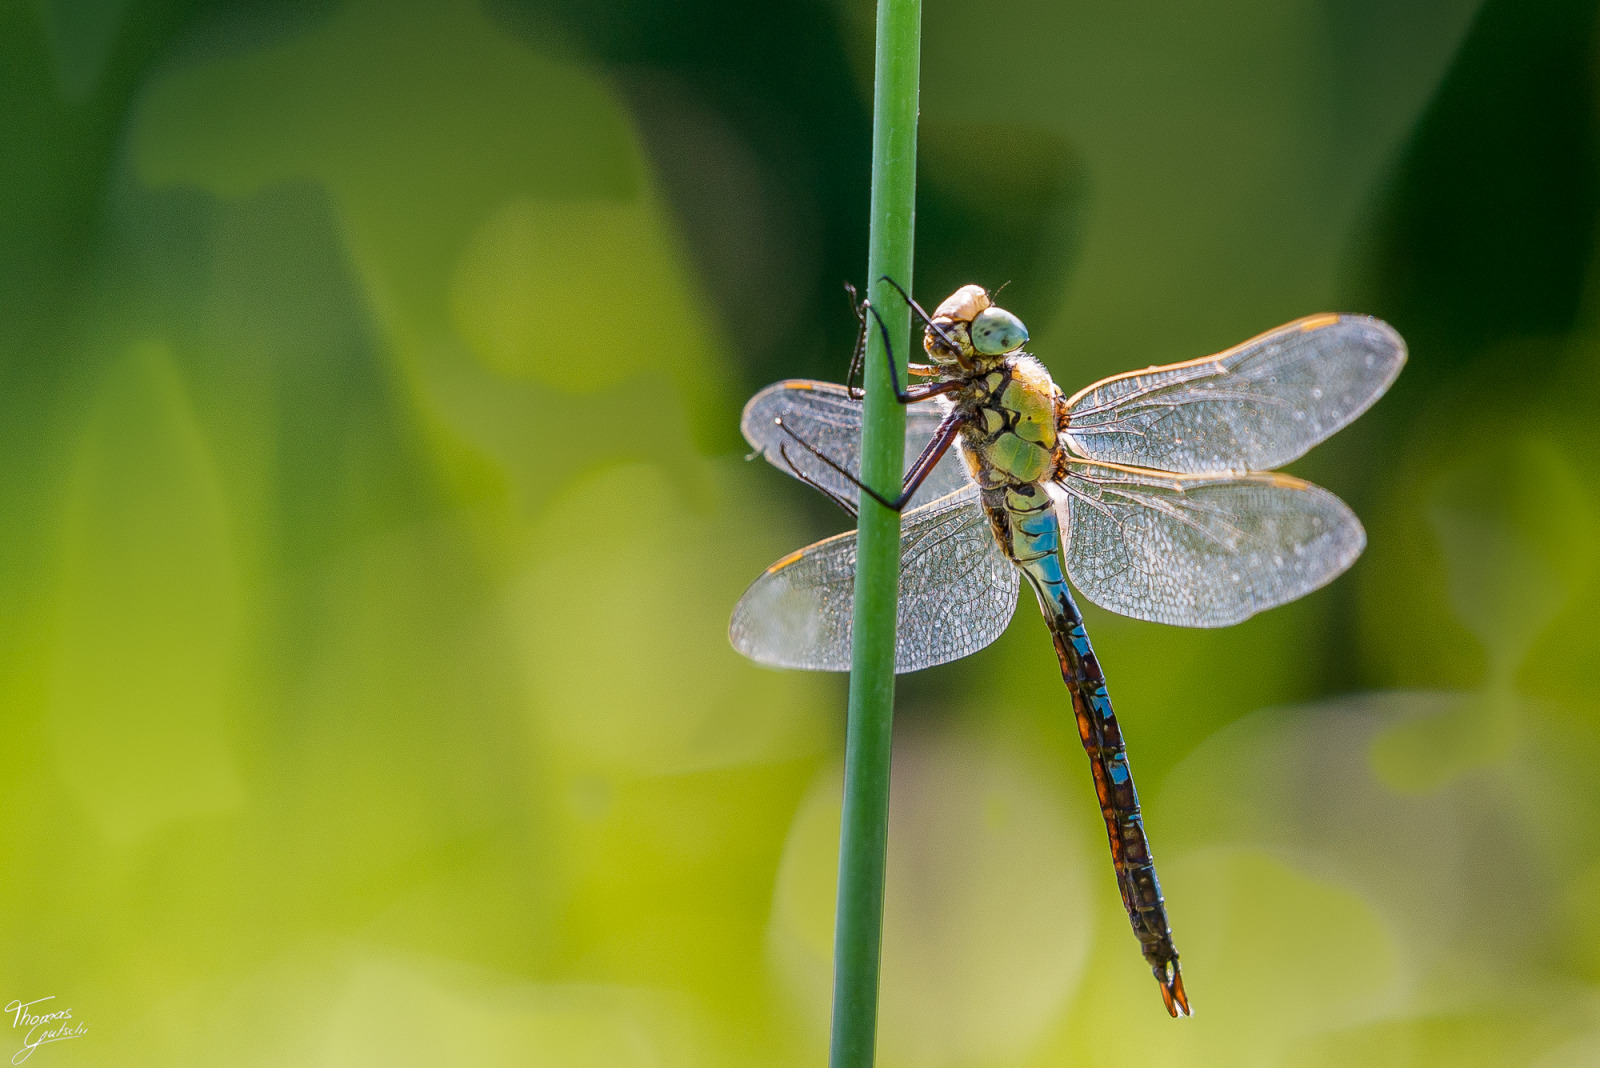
(1200, 550)
(957, 593)
(825, 415)
(1254, 407)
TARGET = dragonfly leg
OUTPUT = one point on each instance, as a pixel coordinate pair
(842, 502)
(943, 436)
(858, 356)
(927, 322)
(914, 393)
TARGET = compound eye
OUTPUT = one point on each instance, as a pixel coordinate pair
(995, 332)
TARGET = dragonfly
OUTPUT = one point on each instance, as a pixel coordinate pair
(1153, 492)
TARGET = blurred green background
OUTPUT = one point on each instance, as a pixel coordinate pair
(372, 507)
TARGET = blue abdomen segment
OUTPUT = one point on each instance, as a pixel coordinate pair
(1031, 532)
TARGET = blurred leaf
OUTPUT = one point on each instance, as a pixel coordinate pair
(1487, 233)
(1515, 531)
(1426, 752)
(1518, 534)
(144, 692)
(578, 297)
(82, 33)
(311, 108)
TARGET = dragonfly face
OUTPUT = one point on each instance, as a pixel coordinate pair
(1152, 492)
(968, 330)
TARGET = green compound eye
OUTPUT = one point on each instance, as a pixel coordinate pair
(995, 332)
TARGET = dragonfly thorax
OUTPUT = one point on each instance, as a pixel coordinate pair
(1010, 416)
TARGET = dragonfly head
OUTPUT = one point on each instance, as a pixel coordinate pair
(969, 329)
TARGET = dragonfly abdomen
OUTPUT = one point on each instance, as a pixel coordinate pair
(1030, 532)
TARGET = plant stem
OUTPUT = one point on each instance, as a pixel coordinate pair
(864, 828)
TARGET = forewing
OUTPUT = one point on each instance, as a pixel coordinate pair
(825, 416)
(1254, 407)
(957, 592)
(1201, 551)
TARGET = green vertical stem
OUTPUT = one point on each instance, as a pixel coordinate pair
(864, 829)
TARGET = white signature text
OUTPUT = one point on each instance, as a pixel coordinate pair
(43, 1025)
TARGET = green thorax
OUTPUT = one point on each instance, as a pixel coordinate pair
(1010, 416)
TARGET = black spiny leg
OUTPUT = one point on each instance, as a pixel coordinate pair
(842, 501)
(932, 453)
(858, 357)
(927, 320)
(937, 446)
(915, 393)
